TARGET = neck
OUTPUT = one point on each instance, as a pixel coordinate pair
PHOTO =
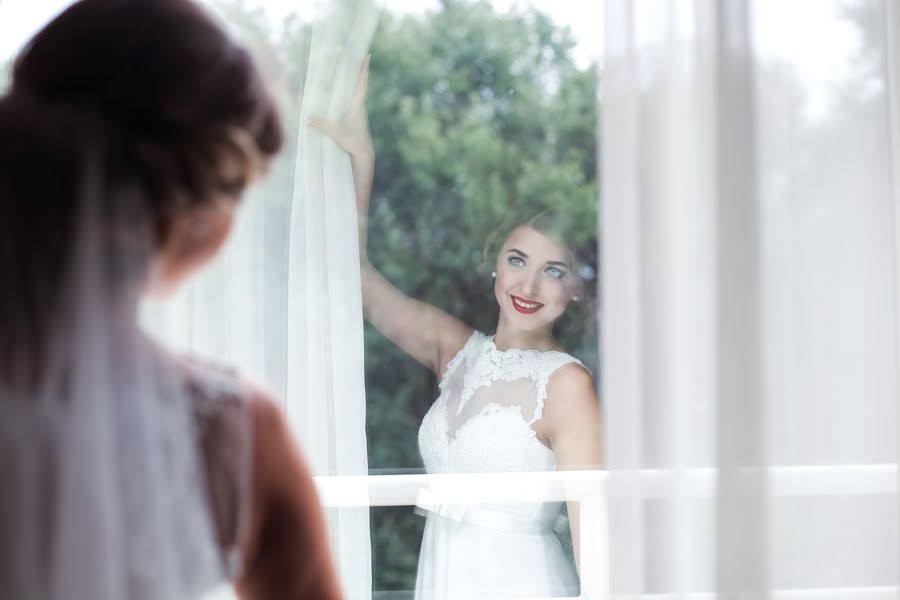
(509, 337)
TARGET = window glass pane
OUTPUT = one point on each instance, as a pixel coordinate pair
(479, 116)
(482, 115)
(826, 191)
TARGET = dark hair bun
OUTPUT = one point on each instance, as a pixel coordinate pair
(165, 85)
(147, 100)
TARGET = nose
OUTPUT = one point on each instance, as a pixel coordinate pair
(533, 284)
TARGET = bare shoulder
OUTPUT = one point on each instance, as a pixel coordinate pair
(279, 470)
(275, 450)
(571, 419)
(571, 394)
(571, 379)
(287, 550)
(456, 334)
(267, 415)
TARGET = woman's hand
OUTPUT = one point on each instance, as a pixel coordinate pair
(423, 331)
(352, 132)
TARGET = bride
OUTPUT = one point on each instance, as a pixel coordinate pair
(128, 135)
(513, 401)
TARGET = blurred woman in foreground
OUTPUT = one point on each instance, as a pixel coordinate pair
(127, 137)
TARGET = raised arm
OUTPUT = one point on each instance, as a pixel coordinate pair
(425, 332)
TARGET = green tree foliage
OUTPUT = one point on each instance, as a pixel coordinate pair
(478, 118)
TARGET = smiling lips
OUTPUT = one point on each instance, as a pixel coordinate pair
(524, 306)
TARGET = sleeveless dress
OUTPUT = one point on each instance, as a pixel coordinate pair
(220, 409)
(173, 445)
(481, 423)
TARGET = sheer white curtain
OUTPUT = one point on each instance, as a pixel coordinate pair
(325, 380)
(283, 301)
(750, 238)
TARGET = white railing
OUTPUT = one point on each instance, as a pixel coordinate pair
(591, 489)
(586, 487)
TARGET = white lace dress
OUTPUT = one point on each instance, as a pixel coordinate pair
(483, 422)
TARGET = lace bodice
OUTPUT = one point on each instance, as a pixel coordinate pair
(220, 410)
(489, 402)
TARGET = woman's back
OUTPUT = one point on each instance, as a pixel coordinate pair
(264, 508)
(198, 483)
(129, 132)
(104, 492)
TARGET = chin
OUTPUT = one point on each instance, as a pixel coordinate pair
(530, 322)
(162, 288)
(158, 292)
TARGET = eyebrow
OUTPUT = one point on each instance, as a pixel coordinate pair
(549, 262)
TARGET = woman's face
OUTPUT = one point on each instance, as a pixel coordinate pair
(534, 281)
(196, 239)
(198, 235)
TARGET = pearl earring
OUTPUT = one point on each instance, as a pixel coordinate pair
(494, 274)
(574, 298)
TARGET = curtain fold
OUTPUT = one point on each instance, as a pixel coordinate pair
(892, 33)
(750, 298)
(741, 455)
(283, 302)
(326, 401)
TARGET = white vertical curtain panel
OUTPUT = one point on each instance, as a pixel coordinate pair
(282, 301)
(750, 276)
(325, 380)
(303, 336)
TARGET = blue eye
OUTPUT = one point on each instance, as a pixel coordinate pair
(555, 273)
(516, 261)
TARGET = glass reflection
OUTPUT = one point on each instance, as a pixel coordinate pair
(477, 261)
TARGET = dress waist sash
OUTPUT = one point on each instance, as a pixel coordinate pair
(472, 514)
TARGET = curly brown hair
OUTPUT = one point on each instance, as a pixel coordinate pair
(153, 98)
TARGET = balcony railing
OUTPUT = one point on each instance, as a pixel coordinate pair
(591, 489)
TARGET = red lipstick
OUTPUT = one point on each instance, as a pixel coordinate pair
(530, 307)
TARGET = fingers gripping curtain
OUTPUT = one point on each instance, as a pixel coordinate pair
(750, 298)
(325, 379)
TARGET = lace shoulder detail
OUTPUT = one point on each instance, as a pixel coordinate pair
(220, 404)
(550, 365)
(488, 364)
(212, 386)
(471, 347)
